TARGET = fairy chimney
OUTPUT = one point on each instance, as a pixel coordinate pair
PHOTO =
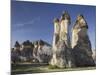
(81, 44)
(61, 53)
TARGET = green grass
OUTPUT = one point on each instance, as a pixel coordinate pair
(44, 69)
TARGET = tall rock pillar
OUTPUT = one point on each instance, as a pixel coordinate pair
(56, 32)
(64, 28)
(61, 48)
(81, 44)
(55, 41)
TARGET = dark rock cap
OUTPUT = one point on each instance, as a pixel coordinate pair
(41, 42)
(17, 44)
(27, 43)
(80, 16)
(35, 43)
(65, 15)
(56, 20)
(79, 24)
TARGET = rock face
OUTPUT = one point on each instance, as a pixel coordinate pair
(15, 52)
(39, 51)
(42, 51)
(94, 55)
(61, 43)
(27, 50)
(81, 44)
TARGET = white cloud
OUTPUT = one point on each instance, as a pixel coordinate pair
(19, 25)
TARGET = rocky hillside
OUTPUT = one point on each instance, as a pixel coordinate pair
(38, 51)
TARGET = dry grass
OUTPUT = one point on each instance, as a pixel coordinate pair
(44, 69)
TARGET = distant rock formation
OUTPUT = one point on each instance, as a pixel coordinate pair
(42, 51)
(38, 51)
(61, 43)
(15, 52)
(27, 50)
(81, 44)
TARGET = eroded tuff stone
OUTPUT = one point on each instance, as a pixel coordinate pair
(39, 51)
(61, 47)
(42, 51)
(81, 44)
(62, 56)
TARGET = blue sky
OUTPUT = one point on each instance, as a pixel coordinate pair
(33, 20)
